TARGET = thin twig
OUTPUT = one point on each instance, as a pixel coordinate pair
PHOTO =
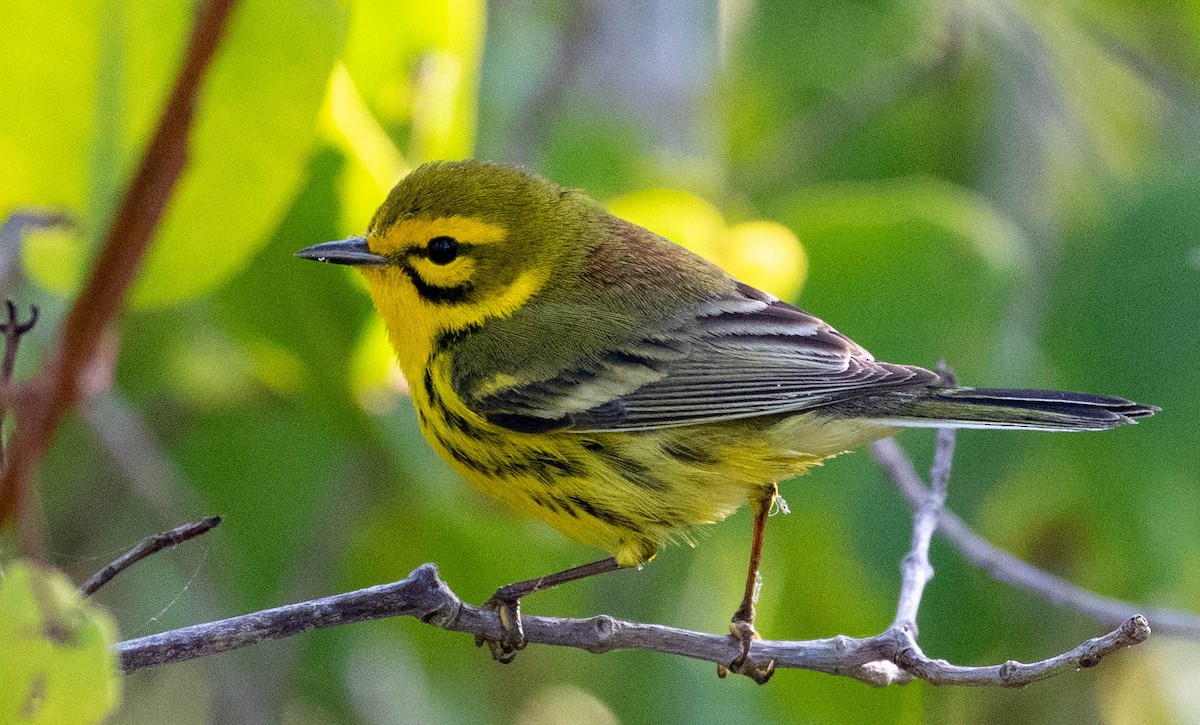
(1134, 630)
(146, 547)
(12, 331)
(1004, 567)
(55, 391)
(425, 596)
(915, 569)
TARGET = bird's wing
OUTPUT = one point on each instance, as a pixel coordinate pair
(739, 356)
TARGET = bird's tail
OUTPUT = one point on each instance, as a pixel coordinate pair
(1001, 408)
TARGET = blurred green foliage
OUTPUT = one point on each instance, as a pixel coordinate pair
(56, 657)
(1010, 186)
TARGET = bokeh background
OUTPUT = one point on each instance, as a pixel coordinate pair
(1012, 186)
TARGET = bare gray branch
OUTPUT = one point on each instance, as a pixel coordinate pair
(1004, 567)
(915, 569)
(891, 657)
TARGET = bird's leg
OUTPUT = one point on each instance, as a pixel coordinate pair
(506, 602)
(742, 624)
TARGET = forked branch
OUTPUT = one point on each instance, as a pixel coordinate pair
(891, 657)
(424, 596)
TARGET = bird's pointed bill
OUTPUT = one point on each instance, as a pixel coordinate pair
(352, 251)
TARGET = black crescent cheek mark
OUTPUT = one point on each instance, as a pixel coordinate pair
(435, 294)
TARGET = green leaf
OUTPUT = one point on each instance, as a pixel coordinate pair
(416, 64)
(69, 123)
(55, 257)
(56, 658)
(81, 127)
(250, 146)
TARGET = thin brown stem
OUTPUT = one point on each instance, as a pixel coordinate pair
(55, 391)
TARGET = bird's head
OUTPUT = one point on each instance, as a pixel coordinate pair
(456, 243)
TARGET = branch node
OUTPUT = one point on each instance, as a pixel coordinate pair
(439, 605)
(606, 627)
(1136, 629)
(1010, 671)
(880, 673)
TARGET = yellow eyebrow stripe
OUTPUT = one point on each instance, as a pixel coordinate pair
(417, 232)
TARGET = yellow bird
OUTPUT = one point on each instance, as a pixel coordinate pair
(596, 376)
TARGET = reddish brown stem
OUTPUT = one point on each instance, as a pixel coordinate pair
(44, 402)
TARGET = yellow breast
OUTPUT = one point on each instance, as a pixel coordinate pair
(627, 493)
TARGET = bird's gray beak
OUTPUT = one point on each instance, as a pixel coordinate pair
(352, 251)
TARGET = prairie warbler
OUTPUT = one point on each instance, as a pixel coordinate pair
(598, 377)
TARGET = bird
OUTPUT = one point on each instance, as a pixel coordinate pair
(594, 375)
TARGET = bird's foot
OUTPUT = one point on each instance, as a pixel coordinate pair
(744, 634)
(512, 635)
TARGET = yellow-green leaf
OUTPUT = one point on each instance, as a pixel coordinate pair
(249, 146)
(416, 63)
(78, 129)
(56, 651)
(768, 256)
(684, 218)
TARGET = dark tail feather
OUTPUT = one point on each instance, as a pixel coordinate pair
(1017, 409)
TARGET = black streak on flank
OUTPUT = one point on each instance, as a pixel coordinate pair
(544, 503)
(454, 420)
(611, 518)
(545, 467)
(690, 455)
(564, 466)
(632, 471)
(555, 504)
(459, 455)
(430, 391)
(566, 506)
(462, 425)
(449, 338)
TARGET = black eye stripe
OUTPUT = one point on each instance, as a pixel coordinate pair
(435, 294)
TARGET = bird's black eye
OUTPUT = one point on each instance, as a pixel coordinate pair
(442, 250)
